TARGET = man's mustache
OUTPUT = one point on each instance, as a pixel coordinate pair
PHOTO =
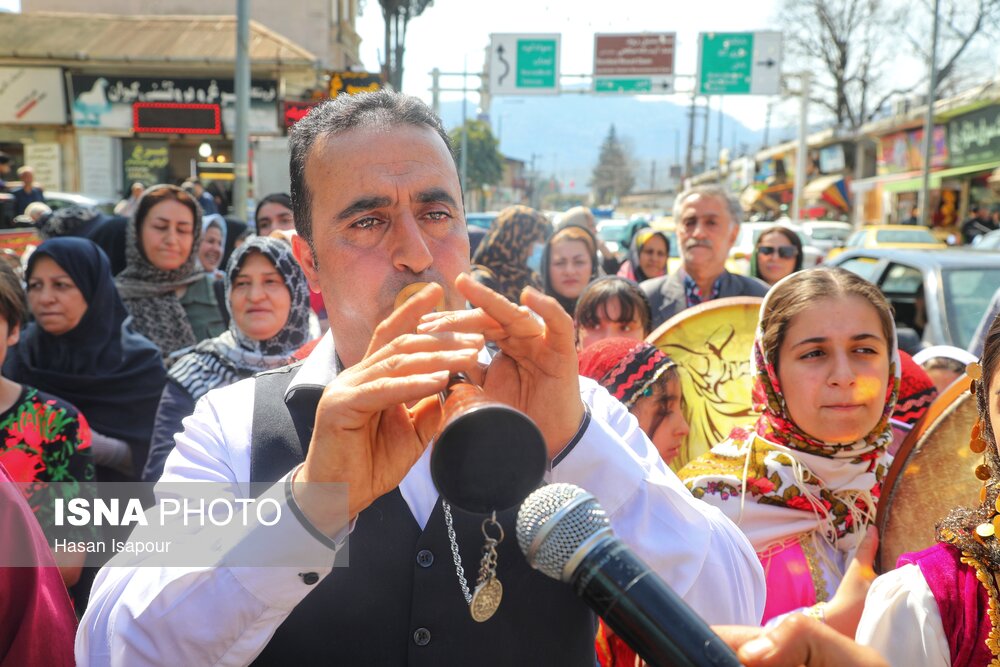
(698, 243)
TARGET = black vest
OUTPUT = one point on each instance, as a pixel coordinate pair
(398, 602)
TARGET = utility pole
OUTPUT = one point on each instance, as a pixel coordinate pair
(805, 79)
(767, 123)
(925, 186)
(652, 175)
(704, 133)
(241, 143)
(688, 164)
(719, 152)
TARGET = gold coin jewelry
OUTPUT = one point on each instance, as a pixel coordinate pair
(485, 601)
(489, 591)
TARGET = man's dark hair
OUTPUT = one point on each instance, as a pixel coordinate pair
(4, 158)
(382, 109)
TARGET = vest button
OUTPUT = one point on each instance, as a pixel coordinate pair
(425, 558)
(422, 637)
(309, 578)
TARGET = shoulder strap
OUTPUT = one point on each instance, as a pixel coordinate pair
(281, 431)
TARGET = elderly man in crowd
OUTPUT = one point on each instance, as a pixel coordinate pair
(708, 221)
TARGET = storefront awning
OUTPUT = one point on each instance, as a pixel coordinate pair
(914, 184)
(830, 189)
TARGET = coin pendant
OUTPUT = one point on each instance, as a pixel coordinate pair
(486, 600)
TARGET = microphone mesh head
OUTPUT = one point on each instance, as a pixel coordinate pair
(555, 545)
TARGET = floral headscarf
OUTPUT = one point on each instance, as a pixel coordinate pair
(233, 355)
(505, 251)
(775, 480)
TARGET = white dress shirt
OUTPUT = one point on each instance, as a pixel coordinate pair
(225, 614)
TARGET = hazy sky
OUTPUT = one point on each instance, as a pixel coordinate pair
(451, 33)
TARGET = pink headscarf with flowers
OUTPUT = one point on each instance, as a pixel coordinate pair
(775, 481)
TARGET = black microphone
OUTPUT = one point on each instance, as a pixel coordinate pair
(564, 533)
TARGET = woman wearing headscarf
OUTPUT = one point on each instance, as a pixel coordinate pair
(569, 263)
(213, 243)
(163, 287)
(100, 364)
(647, 256)
(268, 300)
(804, 482)
(503, 256)
(778, 253)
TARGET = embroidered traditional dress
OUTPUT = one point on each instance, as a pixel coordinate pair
(804, 504)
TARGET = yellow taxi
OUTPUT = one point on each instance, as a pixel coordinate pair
(906, 237)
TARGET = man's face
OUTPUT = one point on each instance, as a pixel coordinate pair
(386, 212)
(705, 233)
(28, 177)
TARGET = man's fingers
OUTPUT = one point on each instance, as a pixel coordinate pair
(517, 320)
(405, 318)
(558, 321)
(416, 363)
(421, 342)
(383, 393)
(804, 641)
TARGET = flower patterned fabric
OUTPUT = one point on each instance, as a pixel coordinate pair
(45, 439)
(776, 481)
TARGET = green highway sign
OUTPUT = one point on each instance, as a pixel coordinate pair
(524, 64)
(623, 85)
(536, 63)
(739, 63)
(648, 84)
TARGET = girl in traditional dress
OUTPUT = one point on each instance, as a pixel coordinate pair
(940, 606)
(803, 482)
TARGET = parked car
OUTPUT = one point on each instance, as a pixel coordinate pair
(58, 200)
(941, 294)
(908, 237)
(742, 250)
(481, 220)
(827, 234)
(988, 241)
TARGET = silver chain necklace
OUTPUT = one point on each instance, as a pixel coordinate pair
(459, 570)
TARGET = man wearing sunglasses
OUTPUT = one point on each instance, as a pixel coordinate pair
(708, 222)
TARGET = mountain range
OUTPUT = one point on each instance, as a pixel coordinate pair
(563, 133)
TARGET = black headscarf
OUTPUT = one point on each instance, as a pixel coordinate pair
(112, 374)
(568, 304)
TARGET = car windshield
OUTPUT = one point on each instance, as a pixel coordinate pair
(967, 294)
(905, 236)
(829, 234)
(612, 230)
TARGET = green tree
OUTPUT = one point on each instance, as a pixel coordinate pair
(485, 163)
(397, 15)
(613, 177)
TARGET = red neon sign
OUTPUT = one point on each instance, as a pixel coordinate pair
(176, 118)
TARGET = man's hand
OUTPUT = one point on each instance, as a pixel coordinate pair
(537, 369)
(365, 435)
(798, 641)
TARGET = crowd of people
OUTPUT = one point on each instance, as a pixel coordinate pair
(172, 344)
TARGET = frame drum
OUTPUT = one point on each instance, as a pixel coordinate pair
(711, 344)
(933, 472)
